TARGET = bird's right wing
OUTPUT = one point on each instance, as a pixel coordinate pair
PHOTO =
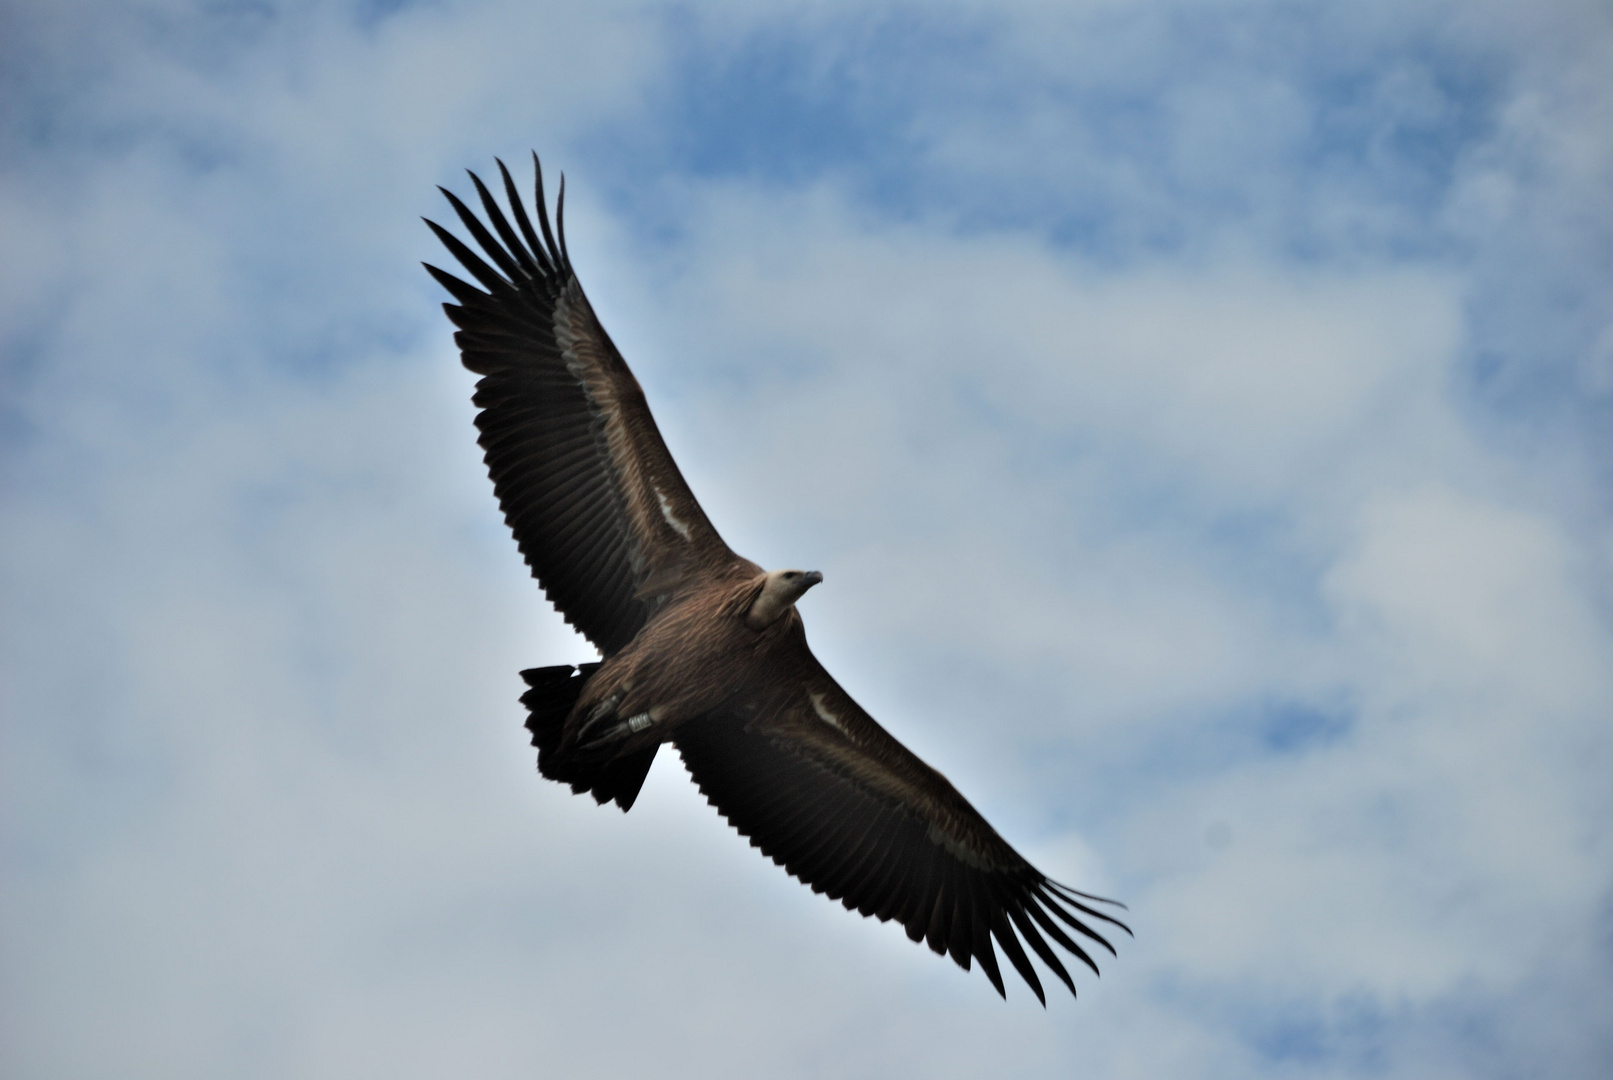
(596, 503)
(828, 794)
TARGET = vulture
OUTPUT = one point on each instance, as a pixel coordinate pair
(700, 647)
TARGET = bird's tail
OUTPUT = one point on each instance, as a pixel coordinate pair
(552, 695)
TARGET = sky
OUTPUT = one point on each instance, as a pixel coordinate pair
(1201, 411)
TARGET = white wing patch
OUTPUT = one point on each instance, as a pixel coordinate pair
(826, 716)
(671, 519)
(966, 855)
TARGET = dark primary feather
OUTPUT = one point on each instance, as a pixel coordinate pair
(585, 481)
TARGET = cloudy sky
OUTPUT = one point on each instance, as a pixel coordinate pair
(1202, 413)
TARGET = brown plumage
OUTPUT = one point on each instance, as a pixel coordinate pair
(700, 647)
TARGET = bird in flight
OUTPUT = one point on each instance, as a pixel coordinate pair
(700, 647)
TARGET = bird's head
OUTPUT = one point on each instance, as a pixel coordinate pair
(780, 590)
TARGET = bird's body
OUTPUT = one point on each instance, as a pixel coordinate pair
(697, 654)
(701, 647)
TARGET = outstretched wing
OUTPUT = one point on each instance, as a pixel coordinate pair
(596, 503)
(828, 794)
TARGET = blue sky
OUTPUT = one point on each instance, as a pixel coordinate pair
(1200, 412)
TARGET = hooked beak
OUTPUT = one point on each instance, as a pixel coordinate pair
(812, 577)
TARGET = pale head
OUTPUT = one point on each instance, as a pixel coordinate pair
(780, 590)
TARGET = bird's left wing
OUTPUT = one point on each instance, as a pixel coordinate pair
(595, 501)
(814, 782)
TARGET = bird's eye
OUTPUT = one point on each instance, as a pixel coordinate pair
(792, 575)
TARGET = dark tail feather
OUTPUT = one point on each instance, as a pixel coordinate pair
(554, 692)
(622, 778)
